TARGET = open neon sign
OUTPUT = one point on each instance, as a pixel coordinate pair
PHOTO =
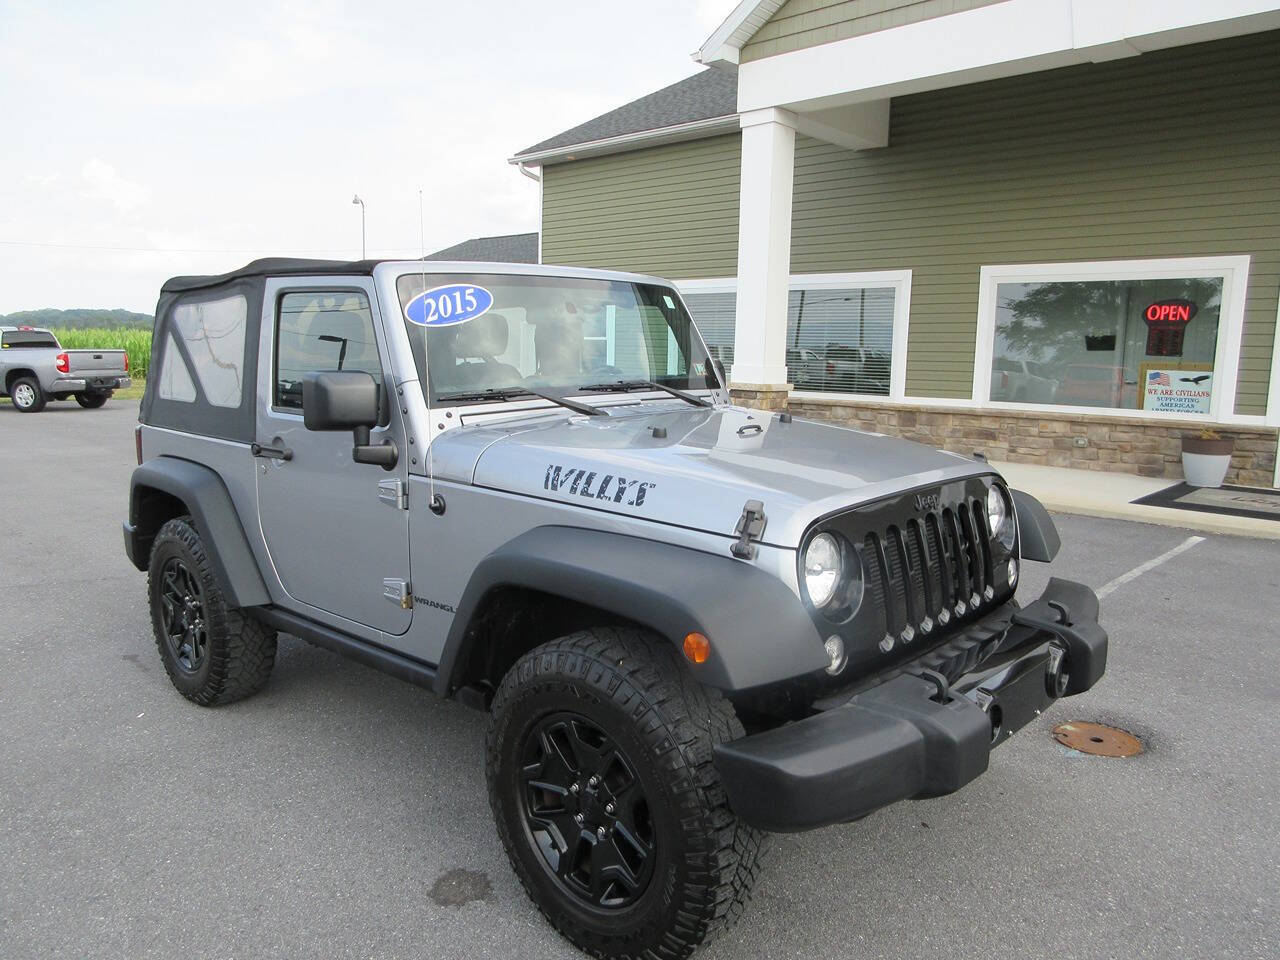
(1167, 325)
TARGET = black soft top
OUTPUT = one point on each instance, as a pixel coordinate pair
(274, 267)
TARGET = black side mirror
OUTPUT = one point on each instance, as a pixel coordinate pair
(719, 367)
(347, 400)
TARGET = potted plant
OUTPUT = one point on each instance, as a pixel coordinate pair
(1205, 458)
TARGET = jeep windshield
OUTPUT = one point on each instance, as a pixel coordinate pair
(492, 336)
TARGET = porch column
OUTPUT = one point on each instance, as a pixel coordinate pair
(764, 257)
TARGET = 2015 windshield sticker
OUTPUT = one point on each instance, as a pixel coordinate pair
(447, 305)
(583, 483)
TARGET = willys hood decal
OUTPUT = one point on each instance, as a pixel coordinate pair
(697, 468)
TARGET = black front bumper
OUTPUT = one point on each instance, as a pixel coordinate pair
(920, 733)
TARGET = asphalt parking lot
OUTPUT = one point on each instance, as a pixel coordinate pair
(318, 818)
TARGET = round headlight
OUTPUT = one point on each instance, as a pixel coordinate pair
(822, 569)
(997, 512)
(999, 519)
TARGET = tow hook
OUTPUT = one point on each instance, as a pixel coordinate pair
(942, 693)
(1055, 678)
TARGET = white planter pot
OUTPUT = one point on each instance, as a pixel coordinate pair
(1204, 470)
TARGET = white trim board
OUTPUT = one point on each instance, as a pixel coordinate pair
(1273, 393)
(998, 40)
(746, 19)
(1235, 275)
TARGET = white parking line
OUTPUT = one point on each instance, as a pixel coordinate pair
(1151, 564)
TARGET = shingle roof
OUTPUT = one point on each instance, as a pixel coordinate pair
(510, 248)
(711, 93)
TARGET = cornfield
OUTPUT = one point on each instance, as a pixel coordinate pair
(136, 342)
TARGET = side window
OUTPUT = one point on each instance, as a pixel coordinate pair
(321, 330)
(213, 332)
(175, 378)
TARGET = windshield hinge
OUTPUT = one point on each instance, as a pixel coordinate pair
(750, 527)
(393, 492)
(398, 592)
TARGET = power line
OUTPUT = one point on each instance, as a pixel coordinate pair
(90, 246)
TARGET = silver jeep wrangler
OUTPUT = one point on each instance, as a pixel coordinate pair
(525, 487)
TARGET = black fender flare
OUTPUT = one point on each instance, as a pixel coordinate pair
(215, 519)
(760, 631)
(1036, 529)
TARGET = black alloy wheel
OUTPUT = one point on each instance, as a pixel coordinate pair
(182, 615)
(213, 652)
(586, 811)
(604, 791)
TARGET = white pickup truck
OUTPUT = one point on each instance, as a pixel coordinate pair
(34, 369)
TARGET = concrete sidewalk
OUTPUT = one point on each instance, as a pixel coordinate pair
(1097, 494)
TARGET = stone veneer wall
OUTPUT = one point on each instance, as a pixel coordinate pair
(1116, 444)
(762, 398)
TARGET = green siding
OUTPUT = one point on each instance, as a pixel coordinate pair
(1171, 154)
(806, 23)
(670, 210)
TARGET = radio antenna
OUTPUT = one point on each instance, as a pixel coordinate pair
(436, 502)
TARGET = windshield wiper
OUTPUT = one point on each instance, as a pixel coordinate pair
(489, 393)
(509, 393)
(626, 386)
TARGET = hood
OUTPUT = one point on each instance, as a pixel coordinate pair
(696, 468)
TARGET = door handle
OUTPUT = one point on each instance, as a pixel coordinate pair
(271, 453)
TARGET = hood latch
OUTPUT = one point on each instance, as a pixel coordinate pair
(750, 527)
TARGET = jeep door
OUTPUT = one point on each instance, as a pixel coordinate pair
(337, 531)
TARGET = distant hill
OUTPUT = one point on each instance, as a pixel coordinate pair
(85, 319)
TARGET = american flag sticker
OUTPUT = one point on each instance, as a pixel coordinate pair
(1158, 378)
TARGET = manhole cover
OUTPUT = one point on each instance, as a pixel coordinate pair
(1097, 739)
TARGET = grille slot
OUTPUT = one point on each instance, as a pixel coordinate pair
(877, 566)
(972, 560)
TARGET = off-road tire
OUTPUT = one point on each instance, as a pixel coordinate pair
(27, 387)
(239, 651)
(635, 687)
(93, 400)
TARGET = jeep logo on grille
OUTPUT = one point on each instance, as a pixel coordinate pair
(927, 501)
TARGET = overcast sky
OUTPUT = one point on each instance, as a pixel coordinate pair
(143, 140)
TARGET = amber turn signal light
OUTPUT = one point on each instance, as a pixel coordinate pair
(697, 648)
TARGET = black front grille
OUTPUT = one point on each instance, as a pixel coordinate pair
(927, 570)
(929, 565)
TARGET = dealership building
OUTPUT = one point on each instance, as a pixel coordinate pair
(1048, 230)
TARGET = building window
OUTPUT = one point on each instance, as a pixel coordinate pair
(846, 333)
(840, 340)
(712, 306)
(1156, 337)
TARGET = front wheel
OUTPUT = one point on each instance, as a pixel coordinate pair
(606, 799)
(27, 396)
(92, 401)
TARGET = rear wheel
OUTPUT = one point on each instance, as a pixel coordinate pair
(601, 783)
(92, 401)
(26, 395)
(212, 651)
